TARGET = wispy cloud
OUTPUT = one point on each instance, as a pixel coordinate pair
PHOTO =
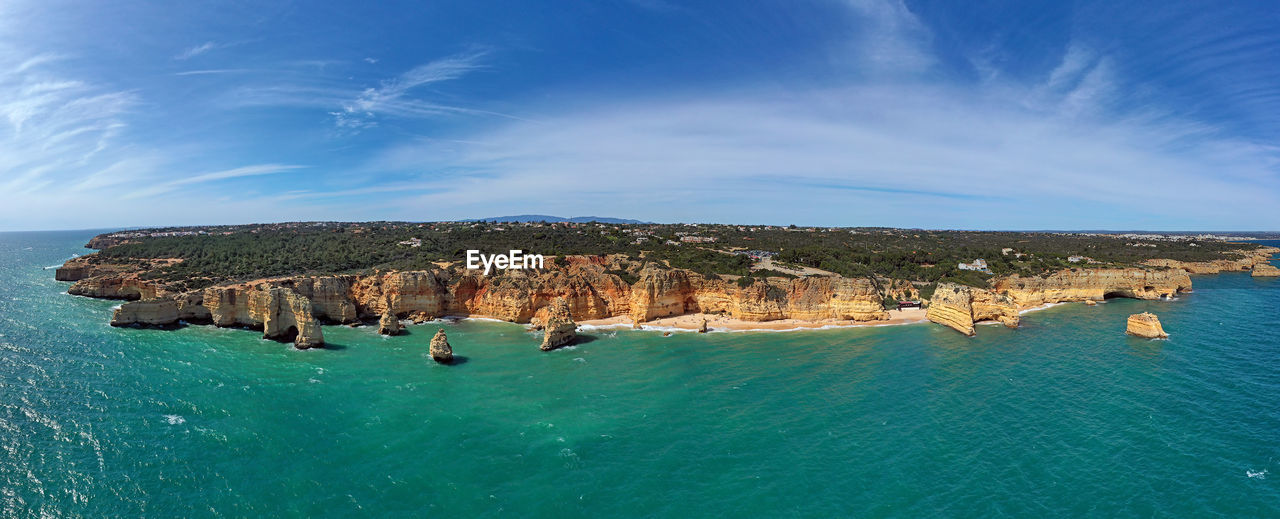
(53, 126)
(207, 72)
(390, 98)
(245, 171)
(197, 50)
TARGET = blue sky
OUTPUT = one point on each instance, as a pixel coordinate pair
(985, 115)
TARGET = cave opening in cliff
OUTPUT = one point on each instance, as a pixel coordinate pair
(289, 335)
(1113, 295)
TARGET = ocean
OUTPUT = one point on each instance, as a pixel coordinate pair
(1066, 416)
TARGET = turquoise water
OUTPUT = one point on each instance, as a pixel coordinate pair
(1064, 417)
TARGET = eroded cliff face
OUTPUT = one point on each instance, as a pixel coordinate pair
(952, 306)
(959, 307)
(295, 306)
(1093, 284)
(1265, 270)
(150, 312)
(670, 292)
(1243, 262)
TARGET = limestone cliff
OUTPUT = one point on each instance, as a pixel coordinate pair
(1081, 284)
(280, 312)
(148, 312)
(590, 288)
(1267, 270)
(286, 315)
(1242, 261)
(1145, 325)
(958, 307)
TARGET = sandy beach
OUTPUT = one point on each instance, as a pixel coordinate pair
(723, 323)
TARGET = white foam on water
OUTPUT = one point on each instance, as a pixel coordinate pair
(174, 419)
(1038, 308)
(592, 327)
(1256, 474)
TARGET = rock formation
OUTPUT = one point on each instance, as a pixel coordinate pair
(1083, 284)
(389, 324)
(1145, 325)
(588, 287)
(286, 315)
(560, 328)
(1090, 302)
(149, 312)
(440, 350)
(1265, 270)
(959, 307)
(1243, 260)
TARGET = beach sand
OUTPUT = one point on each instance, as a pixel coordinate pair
(722, 323)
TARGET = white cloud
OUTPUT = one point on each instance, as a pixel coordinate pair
(890, 155)
(192, 52)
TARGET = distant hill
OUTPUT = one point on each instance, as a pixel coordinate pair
(546, 218)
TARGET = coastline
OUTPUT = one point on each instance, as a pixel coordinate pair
(721, 323)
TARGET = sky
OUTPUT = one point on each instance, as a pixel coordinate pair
(964, 115)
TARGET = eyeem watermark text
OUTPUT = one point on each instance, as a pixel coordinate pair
(515, 259)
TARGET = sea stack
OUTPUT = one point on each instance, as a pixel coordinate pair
(1145, 325)
(702, 328)
(389, 324)
(440, 350)
(560, 328)
(1265, 270)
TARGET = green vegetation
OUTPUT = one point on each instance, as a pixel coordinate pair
(216, 254)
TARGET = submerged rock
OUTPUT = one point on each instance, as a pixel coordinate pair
(1145, 325)
(440, 350)
(560, 328)
(389, 324)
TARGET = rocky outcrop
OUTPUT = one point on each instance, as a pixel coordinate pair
(389, 324)
(287, 317)
(1243, 261)
(1265, 270)
(149, 312)
(560, 329)
(74, 269)
(440, 350)
(280, 312)
(1082, 284)
(1145, 325)
(116, 286)
(958, 307)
